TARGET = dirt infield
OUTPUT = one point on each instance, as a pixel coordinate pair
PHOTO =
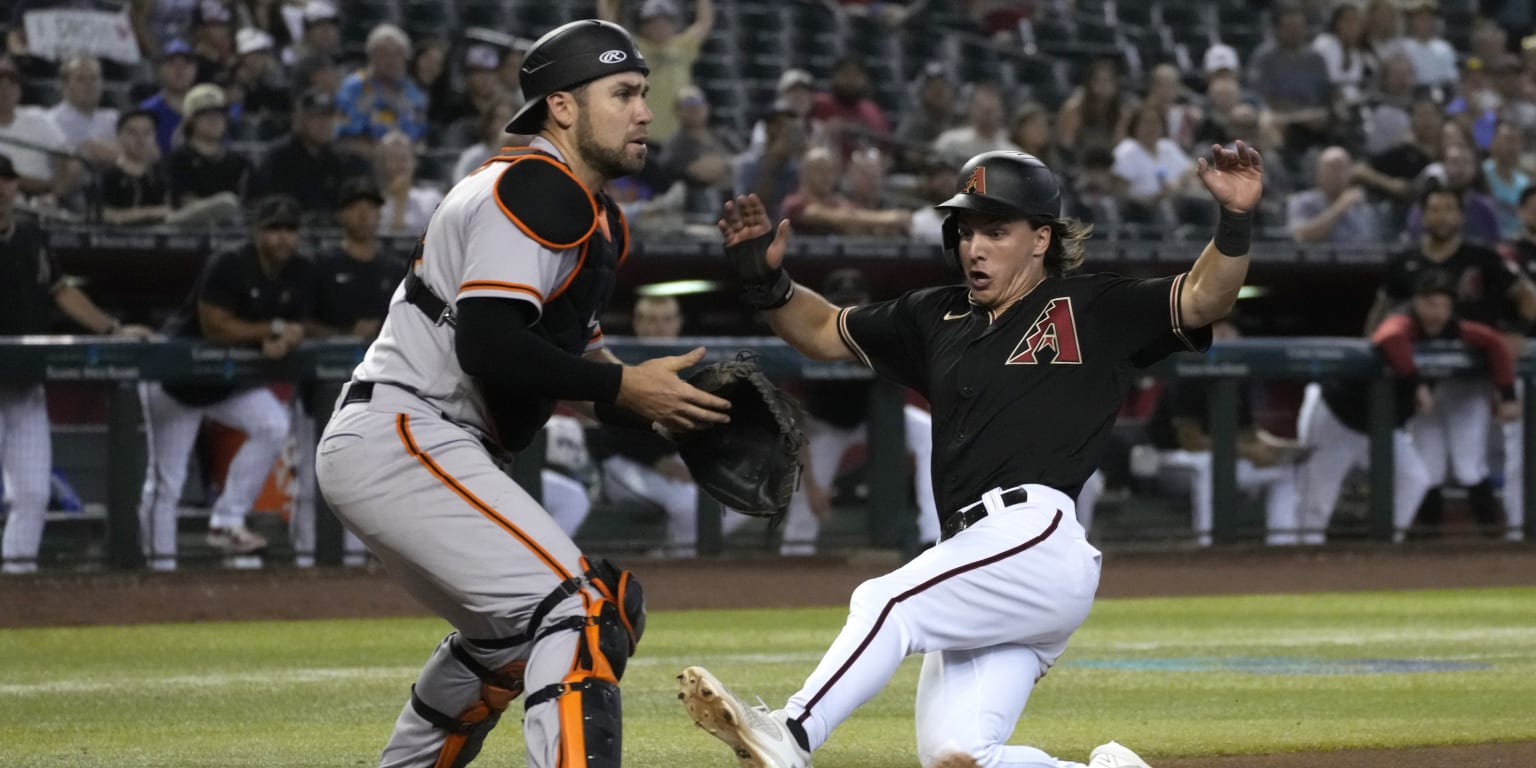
(281, 593)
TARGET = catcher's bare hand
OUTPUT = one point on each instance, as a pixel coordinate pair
(653, 390)
(746, 218)
(1235, 177)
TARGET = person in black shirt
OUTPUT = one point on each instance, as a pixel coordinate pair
(1180, 428)
(255, 295)
(1026, 368)
(1332, 423)
(31, 288)
(1522, 253)
(307, 166)
(133, 190)
(202, 167)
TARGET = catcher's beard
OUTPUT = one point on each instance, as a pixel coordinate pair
(611, 163)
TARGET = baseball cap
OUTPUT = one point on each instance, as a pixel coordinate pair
(251, 40)
(357, 188)
(795, 77)
(277, 212)
(176, 47)
(205, 97)
(126, 115)
(7, 168)
(690, 95)
(9, 69)
(319, 12)
(1220, 56)
(481, 56)
(317, 101)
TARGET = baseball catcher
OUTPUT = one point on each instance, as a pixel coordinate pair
(751, 463)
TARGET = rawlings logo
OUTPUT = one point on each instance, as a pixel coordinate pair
(1055, 329)
(977, 183)
(612, 57)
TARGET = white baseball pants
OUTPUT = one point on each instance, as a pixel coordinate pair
(1337, 449)
(26, 454)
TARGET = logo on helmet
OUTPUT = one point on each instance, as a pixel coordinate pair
(612, 57)
(977, 183)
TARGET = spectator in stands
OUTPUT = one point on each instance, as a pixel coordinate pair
(268, 17)
(306, 166)
(202, 166)
(1223, 94)
(848, 117)
(1094, 115)
(322, 33)
(1180, 428)
(407, 204)
(482, 93)
(1506, 181)
(38, 158)
(493, 135)
(1479, 102)
(133, 190)
(1156, 173)
(568, 476)
(382, 98)
(1515, 104)
(156, 23)
(33, 288)
(258, 85)
(936, 183)
(85, 125)
(669, 48)
(985, 126)
(837, 416)
(316, 73)
(1032, 132)
(1434, 59)
(1293, 81)
(1383, 29)
(930, 111)
(1396, 172)
(817, 208)
(429, 71)
(1166, 94)
(641, 466)
(1460, 172)
(1385, 116)
(512, 49)
(1334, 211)
(177, 71)
(1342, 47)
(213, 39)
(772, 171)
(255, 295)
(698, 155)
(1221, 60)
(796, 91)
(1095, 190)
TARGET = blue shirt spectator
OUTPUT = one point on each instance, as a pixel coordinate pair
(381, 98)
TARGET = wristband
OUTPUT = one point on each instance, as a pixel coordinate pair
(1234, 233)
(773, 291)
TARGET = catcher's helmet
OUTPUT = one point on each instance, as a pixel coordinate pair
(1006, 183)
(568, 56)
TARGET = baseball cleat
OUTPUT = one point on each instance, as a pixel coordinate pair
(760, 738)
(236, 540)
(1113, 755)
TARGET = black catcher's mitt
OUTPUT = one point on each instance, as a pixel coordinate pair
(751, 464)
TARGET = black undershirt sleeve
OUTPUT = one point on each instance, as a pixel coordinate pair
(493, 342)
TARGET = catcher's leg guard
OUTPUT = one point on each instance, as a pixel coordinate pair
(591, 720)
(467, 731)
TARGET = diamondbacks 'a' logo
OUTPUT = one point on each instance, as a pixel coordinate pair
(977, 183)
(1055, 329)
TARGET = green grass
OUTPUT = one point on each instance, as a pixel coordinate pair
(326, 693)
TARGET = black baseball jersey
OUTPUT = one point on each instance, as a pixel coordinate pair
(29, 275)
(234, 280)
(1029, 397)
(839, 402)
(120, 189)
(1482, 279)
(348, 290)
(1523, 253)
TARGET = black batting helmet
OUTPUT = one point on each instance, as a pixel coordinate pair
(1008, 184)
(567, 56)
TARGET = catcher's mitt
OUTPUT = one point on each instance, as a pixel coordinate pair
(751, 464)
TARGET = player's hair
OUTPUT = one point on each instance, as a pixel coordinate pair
(1441, 189)
(1066, 251)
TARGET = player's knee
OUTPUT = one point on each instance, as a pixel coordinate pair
(872, 597)
(29, 493)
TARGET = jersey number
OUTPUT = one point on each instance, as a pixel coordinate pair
(1055, 329)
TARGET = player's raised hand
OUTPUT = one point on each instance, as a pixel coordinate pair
(746, 228)
(654, 390)
(1235, 177)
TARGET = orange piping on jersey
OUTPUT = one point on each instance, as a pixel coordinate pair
(403, 428)
(602, 222)
(596, 337)
(624, 224)
(512, 160)
(581, 261)
(497, 285)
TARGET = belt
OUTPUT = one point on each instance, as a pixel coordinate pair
(970, 514)
(358, 392)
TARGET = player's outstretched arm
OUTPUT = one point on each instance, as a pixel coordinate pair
(797, 314)
(1235, 179)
